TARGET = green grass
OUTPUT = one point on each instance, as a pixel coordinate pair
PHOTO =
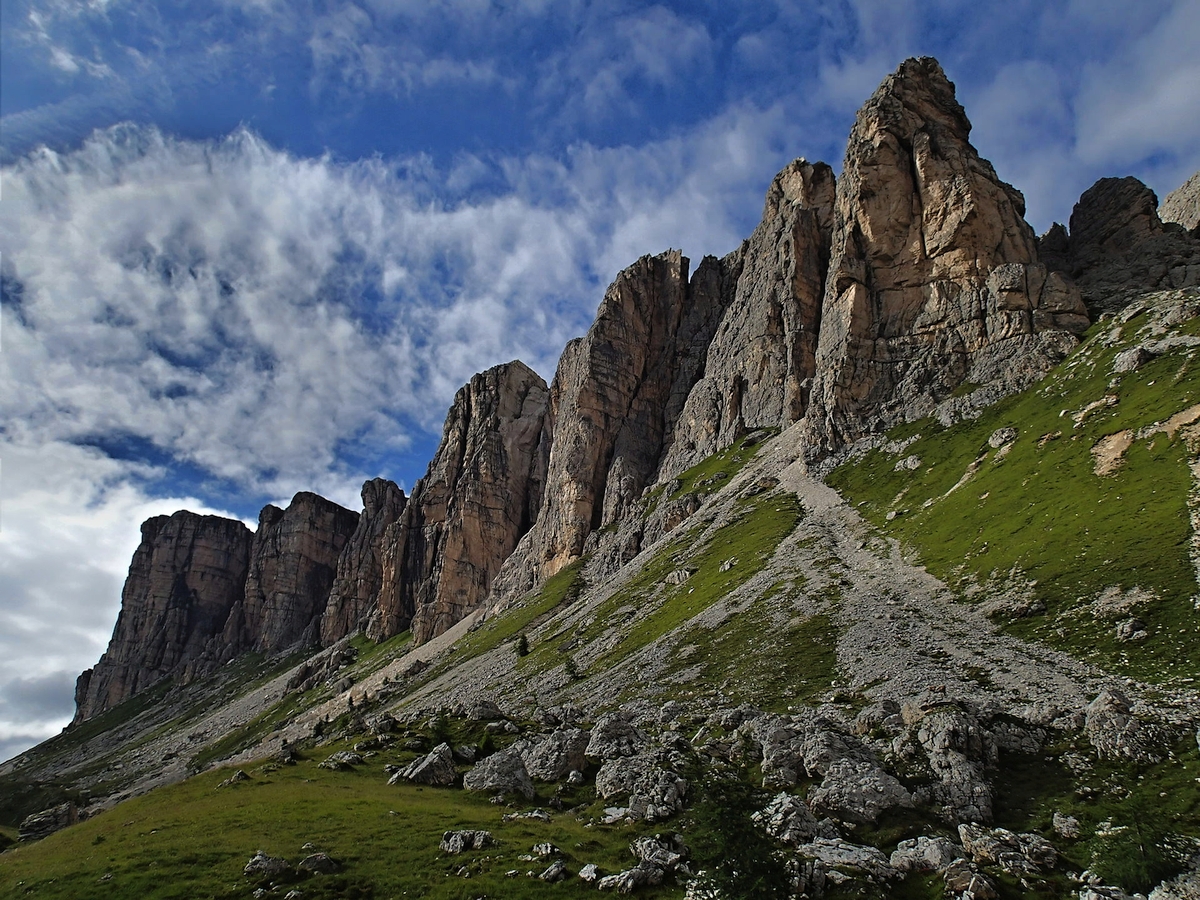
(373, 656)
(713, 473)
(1041, 513)
(1030, 789)
(760, 661)
(647, 608)
(192, 840)
(562, 588)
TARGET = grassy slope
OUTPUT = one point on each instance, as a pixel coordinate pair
(192, 840)
(1038, 512)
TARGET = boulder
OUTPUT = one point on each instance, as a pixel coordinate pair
(641, 875)
(436, 768)
(788, 819)
(263, 866)
(1016, 854)
(319, 864)
(613, 736)
(858, 792)
(1117, 733)
(458, 841)
(964, 881)
(556, 756)
(959, 751)
(654, 791)
(503, 772)
(924, 854)
(38, 825)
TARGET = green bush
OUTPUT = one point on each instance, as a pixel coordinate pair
(740, 860)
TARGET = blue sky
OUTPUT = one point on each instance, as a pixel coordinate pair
(251, 247)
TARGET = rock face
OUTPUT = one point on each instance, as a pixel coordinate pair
(359, 577)
(482, 492)
(292, 566)
(761, 359)
(185, 578)
(933, 277)
(607, 401)
(1182, 205)
(1119, 246)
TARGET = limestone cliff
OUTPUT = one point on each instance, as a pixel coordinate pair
(934, 279)
(355, 592)
(482, 492)
(613, 399)
(186, 575)
(759, 362)
(1118, 245)
(1182, 205)
(293, 562)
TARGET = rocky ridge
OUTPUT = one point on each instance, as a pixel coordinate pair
(909, 286)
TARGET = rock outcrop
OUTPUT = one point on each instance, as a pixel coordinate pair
(482, 492)
(934, 279)
(1182, 205)
(1119, 246)
(761, 358)
(355, 592)
(607, 404)
(185, 577)
(292, 566)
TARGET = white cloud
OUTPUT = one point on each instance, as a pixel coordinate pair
(265, 318)
(1145, 100)
(69, 523)
(615, 57)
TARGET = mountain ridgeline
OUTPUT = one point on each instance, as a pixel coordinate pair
(909, 286)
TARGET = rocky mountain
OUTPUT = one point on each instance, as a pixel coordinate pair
(1119, 246)
(934, 280)
(891, 509)
(359, 579)
(483, 491)
(185, 579)
(1182, 205)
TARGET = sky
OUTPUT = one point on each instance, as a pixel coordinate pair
(252, 247)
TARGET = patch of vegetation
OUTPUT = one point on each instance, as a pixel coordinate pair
(1137, 822)
(373, 656)
(763, 662)
(729, 558)
(8, 837)
(192, 840)
(238, 739)
(1036, 511)
(740, 860)
(561, 589)
(712, 474)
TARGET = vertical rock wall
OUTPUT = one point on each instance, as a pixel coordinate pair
(760, 360)
(933, 278)
(359, 579)
(186, 576)
(292, 566)
(482, 492)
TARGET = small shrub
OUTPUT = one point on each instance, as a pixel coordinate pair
(522, 645)
(740, 860)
